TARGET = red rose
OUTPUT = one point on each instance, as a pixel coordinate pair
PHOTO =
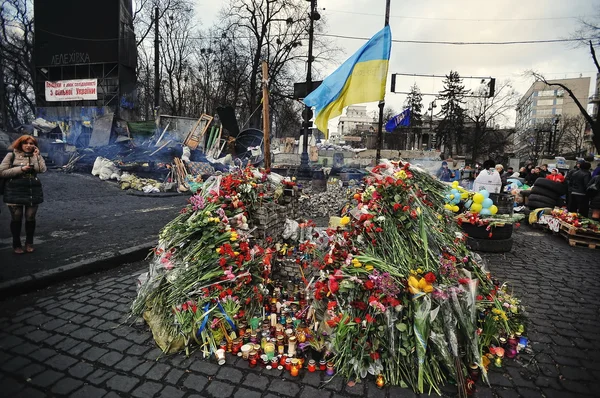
(369, 285)
(430, 277)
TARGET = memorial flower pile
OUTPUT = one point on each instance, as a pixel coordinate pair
(392, 292)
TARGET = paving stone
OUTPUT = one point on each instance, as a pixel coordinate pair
(99, 376)
(574, 386)
(24, 349)
(498, 379)
(54, 340)
(11, 386)
(195, 382)
(311, 392)
(61, 362)
(66, 385)
(373, 392)
(107, 325)
(122, 383)
(86, 309)
(15, 364)
(245, 393)
(334, 384)
(509, 393)
(158, 371)
(79, 348)
(31, 370)
(11, 341)
(94, 353)
(571, 373)
(46, 378)
(229, 374)
(53, 324)
(67, 344)
(142, 369)
(137, 349)
(88, 391)
(528, 392)
(22, 330)
(218, 389)
(154, 354)
(110, 358)
(147, 389)
(256, 381)
(128, 363)
(205, 367)
(67, 328)
(312, 378)
(103, 338)
(122, 331)
(170, 392)
(113, 315)
(356, 389)
(37, 336)
(30, 392)
(38, 319)
(284, 387)
(99, 312)
(174, 376)
(138, 338)
(84, 333)
(72, 306)
(81, 370)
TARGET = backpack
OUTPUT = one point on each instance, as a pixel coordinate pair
(3, 180)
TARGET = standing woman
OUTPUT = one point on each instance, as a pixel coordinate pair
(23, 190)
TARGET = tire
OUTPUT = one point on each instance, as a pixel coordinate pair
(537, 205)
(480, 232)
(545, 192)
(557, 187)
(550, 202)
(490, 245)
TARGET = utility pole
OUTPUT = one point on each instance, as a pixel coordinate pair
(4, 123)
(304, 170)
(382, 102)
(156, 62)
(266, 120)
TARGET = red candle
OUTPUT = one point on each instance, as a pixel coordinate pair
(322, 365)
(312, 366)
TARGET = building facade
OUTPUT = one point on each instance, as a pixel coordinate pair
(356, 120)
(540, 113)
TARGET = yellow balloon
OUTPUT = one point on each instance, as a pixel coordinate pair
(455, 184)
(476, 207)
(447, 206)
(464, 195)
(478, 198)
(455, 209)
(493, 209)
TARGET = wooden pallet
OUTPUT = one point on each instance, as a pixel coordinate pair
(578, 236)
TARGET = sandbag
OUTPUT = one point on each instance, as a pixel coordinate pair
(167, 344)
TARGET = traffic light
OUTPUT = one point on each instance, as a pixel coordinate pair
(491, 87)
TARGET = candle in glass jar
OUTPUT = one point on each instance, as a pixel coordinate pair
(322, 364)
(273, 320)
(330, 370)
(292, 346)
(270, 350)
(220, 356)
(246, 348)
(288, 364)
(253, 358)
(295, 368)
(312, 365)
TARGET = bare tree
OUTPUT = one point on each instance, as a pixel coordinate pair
(571, 136)
(16, 59)
(485, 115)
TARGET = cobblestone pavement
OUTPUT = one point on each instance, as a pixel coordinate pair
(68, 340)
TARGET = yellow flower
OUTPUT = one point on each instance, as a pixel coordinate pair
(400, 174)
(419, 271)
(369, 267)
(413, 272)
(495, 318)
(236, 253)
(345, 220)
(418, 210)
(356, 263)
(419, 285)
(218, 250)
(233, 236)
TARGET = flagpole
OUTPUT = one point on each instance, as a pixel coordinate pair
(382, 102)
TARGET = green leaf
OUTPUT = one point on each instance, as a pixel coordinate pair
(401, 327)
(403, 352)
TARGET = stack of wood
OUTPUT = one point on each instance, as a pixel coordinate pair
(70, 166)
(180, 174)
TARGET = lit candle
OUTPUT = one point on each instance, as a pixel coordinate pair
(292, 346)
(273, 320)
(312, 365)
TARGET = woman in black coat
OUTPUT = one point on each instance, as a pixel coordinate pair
(23, 196)
(593, 191)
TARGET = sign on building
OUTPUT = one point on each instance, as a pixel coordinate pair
(72, 90)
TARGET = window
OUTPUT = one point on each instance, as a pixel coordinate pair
(546, 93)
(558, 101)
(558, 111)
(543, 112)
(545, 102)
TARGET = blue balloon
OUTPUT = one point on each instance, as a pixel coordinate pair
(455, 192)
(487, 203)
(485, 212)
(468, 204)
(485, 193)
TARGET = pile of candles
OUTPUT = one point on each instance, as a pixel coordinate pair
(280, 339)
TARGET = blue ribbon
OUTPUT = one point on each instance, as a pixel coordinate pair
(204, 320)
(226, 316)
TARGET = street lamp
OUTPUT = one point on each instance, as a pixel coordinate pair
(431, 106)
(304, 170)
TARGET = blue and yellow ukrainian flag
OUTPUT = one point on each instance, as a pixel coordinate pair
(360, 79)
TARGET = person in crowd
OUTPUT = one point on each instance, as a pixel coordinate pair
(503, 175)
(568, 178)
(488, 179)
(523, 172)
(596, 171)
(580, 180)
(444, 173)
(555, 176)
(593, 191)
(534, 175)
(510, 171)
(544, 171)
(23, 197)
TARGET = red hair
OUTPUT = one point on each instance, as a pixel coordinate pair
(18, 143)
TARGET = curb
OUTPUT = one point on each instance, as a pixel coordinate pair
(98, 263)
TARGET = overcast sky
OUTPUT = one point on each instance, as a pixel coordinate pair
(459, 20)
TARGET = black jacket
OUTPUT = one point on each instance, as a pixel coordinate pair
(579, 181)
(594, 195)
